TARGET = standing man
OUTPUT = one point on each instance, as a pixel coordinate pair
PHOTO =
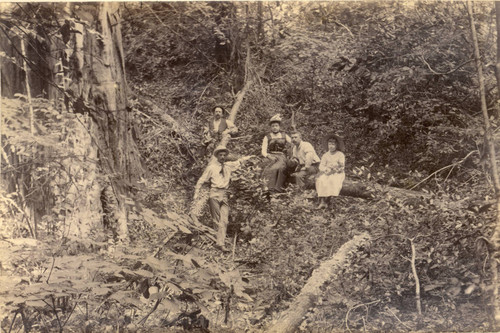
(306, 161)
(217, 127)
(274, 147)
(218, 174)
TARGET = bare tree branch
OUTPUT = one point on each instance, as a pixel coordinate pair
(444, 168)
(448, 72)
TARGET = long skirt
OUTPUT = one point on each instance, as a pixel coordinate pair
(329, 185)
(274, 173)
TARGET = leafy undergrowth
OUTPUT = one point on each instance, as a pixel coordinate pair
(377, 290)
(170, 276)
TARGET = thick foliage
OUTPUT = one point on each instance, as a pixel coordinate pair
(287, 238)
(395, 79)
(44, 169)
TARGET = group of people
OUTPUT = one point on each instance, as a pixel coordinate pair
(301, 163)
(287, 158)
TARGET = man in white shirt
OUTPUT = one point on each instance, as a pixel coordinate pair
(217, 128)
(218, 174)
(305, 158)
(274, 147)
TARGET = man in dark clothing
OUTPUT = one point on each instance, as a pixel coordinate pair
(216, 129)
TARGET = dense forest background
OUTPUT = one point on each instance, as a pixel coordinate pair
(102, 113)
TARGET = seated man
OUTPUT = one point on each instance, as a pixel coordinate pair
(274, 147)
(216, 129)
(305, 161)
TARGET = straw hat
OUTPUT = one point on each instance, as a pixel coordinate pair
(219, 149)
(275, 119)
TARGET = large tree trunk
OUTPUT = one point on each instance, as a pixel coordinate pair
(102, 86)
(260, 22)
(80, 67)
(495, 237)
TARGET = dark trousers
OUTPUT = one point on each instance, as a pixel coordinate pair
(299, 177)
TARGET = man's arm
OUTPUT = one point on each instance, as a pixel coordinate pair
(294, 154)
(289, 146)
(233, 165)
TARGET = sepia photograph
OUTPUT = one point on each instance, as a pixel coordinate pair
(250, 166)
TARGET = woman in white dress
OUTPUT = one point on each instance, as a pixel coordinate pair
(331, 171)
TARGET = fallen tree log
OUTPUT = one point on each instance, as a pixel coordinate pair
(411, 198)
(290, 319)
(369, 190)
(162, 119)
(352, 188)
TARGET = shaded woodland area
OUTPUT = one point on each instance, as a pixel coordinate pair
(102, 113)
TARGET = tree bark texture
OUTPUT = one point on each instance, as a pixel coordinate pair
(97, 73)
(81, 68)
(260, 23)
(497, 65)
(96, 68)
(290, 319)
(495, 237)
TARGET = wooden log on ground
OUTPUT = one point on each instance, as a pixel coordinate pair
(368, 190)
(350, 188)
(290, 319)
